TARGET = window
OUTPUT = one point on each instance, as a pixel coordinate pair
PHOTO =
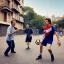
(5, 16)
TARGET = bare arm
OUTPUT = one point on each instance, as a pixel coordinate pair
(59, 43)
(56, 33)
(13, 32)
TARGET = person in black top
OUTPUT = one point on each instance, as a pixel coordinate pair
(28, 33)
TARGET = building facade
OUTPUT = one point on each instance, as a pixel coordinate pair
(11, 9)
(54, 18)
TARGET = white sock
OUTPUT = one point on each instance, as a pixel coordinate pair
(28, 45)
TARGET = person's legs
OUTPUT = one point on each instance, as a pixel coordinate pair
(44, 43)
(8, 49)
(28, 44)
(28, 40)
(50, 51)
(13, 46)
(40, 55)
(41, 49)
(49, 48)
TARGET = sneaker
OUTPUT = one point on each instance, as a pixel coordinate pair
(6, 55)
(52, 57)
(39, 57)
(13, 52)
(27, 48)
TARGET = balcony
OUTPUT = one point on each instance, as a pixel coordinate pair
(5, 6)
(21, 15)
(17, 1)
(6, 9)
(20, 21)
(16, 10)
(4, 23)
(15, 7)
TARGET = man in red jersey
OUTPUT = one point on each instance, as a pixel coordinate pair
(49, 31)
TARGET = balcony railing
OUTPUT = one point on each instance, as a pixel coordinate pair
(15, 9)
(6, 9)
(18, 21)
(5, 5)
(17, 1)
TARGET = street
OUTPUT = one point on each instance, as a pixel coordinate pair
(23, 56)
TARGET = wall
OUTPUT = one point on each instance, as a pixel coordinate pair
(1, 16)
(19, 25)
(3, 30)
(3, 27)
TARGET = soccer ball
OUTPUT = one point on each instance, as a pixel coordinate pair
(37, 42)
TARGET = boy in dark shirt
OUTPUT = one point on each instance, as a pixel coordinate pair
(28, 33)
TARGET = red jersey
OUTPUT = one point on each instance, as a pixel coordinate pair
(47, 30)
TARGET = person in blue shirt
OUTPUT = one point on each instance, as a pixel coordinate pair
(49, 31)
(28, 33)
(10, 38)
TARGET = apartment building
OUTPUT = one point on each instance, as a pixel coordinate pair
(11, 9)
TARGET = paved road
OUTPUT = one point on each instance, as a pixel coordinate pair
(28, 56)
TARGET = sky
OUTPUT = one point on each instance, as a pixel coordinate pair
(46, 7)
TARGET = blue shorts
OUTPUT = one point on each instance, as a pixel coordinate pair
(47, 41)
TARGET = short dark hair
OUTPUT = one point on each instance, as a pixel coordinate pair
(12, 20)
(49, 20)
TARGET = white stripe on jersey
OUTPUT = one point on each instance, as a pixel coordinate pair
(48, 30)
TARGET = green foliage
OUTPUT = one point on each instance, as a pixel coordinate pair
(33, 19)
(59, 23)
(28, 9)
(29, 15)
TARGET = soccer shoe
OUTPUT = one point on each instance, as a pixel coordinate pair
(39, 57)
(6, 55)
(13, 52)
(27, 48)
(52, 57)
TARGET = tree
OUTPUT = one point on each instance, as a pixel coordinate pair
(33, 19)
(59, 23)
(29, 14)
